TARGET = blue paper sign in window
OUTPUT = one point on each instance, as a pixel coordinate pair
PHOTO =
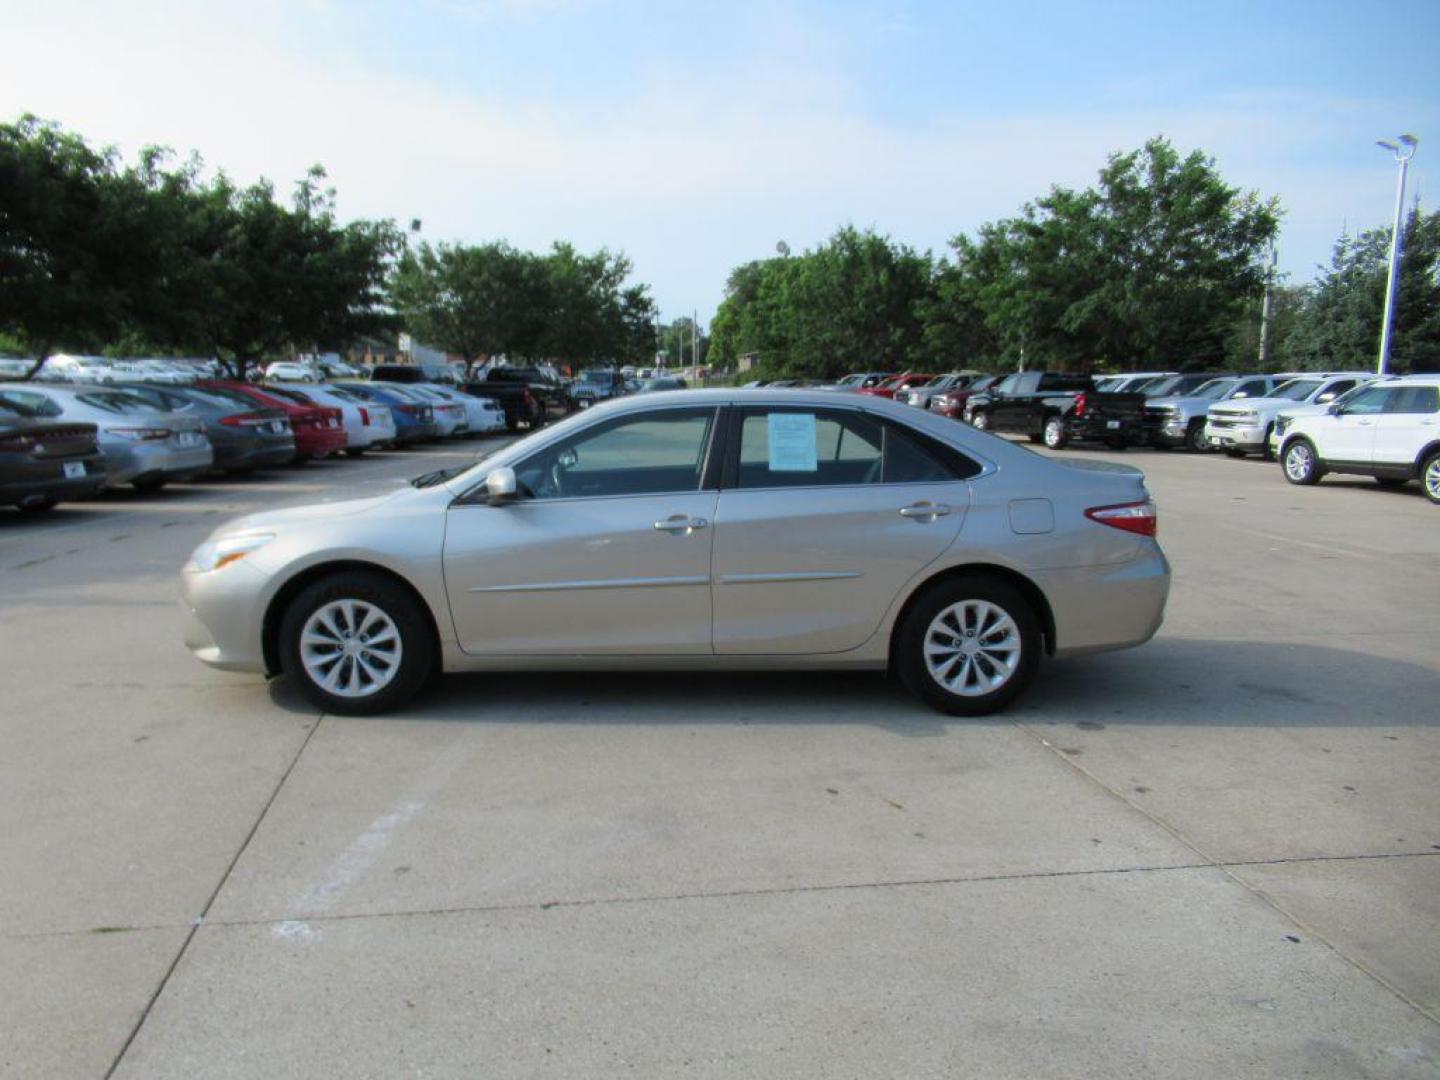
(792, 442)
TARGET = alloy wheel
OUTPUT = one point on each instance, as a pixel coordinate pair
(1299, 462)
(350, 648)
(972, 648)
(1432, 478)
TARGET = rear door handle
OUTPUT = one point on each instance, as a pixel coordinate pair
(681, 523)
(925, 511)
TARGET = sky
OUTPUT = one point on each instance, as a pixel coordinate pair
(696, 136)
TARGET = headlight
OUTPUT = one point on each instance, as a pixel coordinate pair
(214, 554)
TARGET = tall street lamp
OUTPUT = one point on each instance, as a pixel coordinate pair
(1403, 152)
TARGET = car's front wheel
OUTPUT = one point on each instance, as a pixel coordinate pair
(356, 643)
(1195, 439)
(980, 422)
(969, 646)
(1301, 463)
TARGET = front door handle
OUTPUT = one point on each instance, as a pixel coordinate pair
(681, 523)
(1363, 423)
(924, 511)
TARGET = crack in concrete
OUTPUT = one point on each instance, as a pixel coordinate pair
(199, 920)
(730, 894)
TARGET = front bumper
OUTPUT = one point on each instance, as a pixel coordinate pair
(221, 615)
(1232, 436)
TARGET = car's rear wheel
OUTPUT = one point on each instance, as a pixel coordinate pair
(1301, 463)
(354, 451)
(38, 506)
(148, 483)
(969, 646)
(356, 644)
(1391, 483)
(1430, 477)
(1054, 433)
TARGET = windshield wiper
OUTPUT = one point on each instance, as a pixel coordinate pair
(439, 476)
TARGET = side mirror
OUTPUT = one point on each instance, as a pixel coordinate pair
(1324, 399)
(500, 486)
(1336, 408)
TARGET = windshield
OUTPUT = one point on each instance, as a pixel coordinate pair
(1214, 389)
(1296, 389)
(606, 377)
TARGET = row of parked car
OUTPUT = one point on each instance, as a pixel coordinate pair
(62, 440)
(1314, 423)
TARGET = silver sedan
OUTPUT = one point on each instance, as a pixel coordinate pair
(142, 445)
(697, 529)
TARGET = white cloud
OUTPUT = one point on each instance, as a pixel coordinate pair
(690, 175)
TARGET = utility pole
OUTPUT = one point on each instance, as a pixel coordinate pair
(1267, 309)
(1402, 158)
(695, 337)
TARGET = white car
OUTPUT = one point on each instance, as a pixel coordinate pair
(367, 424)
(1289, 413)
(1243, 427)
(1390, 430)
(289, 371)
(63, 367)
(450, 415)
(483, 415)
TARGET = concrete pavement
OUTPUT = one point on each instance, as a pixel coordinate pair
(1218, 853)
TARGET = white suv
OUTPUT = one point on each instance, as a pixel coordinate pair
(1244, 427)
(1390, 431)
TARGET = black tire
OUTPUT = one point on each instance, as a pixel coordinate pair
(980, 421)
(1265, 453)
(910, 640)
(417, 644)
(354, 451)
(1117, 444)
(1391, 483)
(1234, 452)
(38, 507)
(1195, 440)
(148, 483)
(1301, 462)
(1054, 434)
(1430, 476)
(298, 460)
(1036, 438)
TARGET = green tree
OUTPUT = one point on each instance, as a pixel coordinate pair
(1340, 325)
(1150, 268)
(853, 302)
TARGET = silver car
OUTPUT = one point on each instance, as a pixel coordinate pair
(142, 446)
(697, 529)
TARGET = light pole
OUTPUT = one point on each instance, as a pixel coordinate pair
(1403, 152)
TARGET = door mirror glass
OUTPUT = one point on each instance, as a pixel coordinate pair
(500, 486)
(1325, 398)
(1336, 408)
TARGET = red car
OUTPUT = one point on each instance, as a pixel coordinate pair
(899, 382)
(319, 430)
(951, 403)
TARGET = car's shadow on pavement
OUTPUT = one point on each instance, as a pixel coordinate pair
(1178, 681)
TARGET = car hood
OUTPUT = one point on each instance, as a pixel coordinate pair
(1256, 405)
(306, 513)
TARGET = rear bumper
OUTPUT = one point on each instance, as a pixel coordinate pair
(1104, 429)
(41, 484)
(1099, 608)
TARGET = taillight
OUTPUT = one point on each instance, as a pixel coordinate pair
(1135, 517)
(525, 396)
(364, 416)
(1079, 404)
(245, 420)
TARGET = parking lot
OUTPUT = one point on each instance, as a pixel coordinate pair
(1219, 853)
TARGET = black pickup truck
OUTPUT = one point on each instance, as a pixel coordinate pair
(529, 395)
(1056, 408)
